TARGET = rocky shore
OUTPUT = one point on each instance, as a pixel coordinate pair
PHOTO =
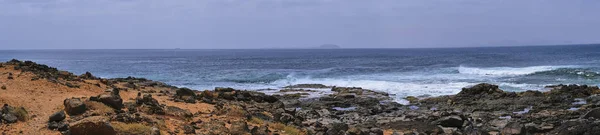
(43, 100)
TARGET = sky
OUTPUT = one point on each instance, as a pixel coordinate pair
(230, 24)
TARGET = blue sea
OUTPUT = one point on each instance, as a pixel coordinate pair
(404, 72)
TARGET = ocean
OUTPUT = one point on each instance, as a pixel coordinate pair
(403, 72)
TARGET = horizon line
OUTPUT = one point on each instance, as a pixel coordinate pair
(307, 48)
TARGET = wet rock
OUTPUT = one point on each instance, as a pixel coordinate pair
(95, 125)
(483, 88)
(74, 106)
(412, 99)
(451, 121)
(58, 116)
(318, 86)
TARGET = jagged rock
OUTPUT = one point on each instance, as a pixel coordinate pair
(285, 118)
(594, 113)
(9, 118)
(262, 130)
(58, 116)
(483, 88)
(513, 128)
(112, 99)
(376, 131)
(337, 129)
(184, 92)
(318, 86)
(451, 121)
(74, 106)
(187, 129)
(95, 125)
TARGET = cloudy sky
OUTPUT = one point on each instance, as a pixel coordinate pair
(114, 24)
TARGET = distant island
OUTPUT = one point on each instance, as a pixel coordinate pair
(329, 46)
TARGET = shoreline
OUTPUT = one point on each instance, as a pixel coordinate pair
(117, 104)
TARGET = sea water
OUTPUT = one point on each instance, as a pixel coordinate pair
(403, 72)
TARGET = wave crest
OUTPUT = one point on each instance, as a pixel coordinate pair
(506, 71)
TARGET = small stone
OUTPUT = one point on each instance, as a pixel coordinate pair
(58, 116)
(3, 87)
(9, 118)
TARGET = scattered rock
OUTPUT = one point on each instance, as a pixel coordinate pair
(513, 128)
(451, 121)
(9, 118)
(58, 116)
(188, 129)
(74, 106)
(58, 125)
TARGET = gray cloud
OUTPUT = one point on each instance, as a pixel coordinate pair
(28, 24)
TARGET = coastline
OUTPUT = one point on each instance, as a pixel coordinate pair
(158, 108)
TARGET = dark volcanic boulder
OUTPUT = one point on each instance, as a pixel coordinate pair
(595, 113)
(576, 91)
(184, 92)
(9, 118)
(74, 106)
(337, 129)
(483, 88)
(220, 89)
(451, 121)
(111, 100)
(58, 125)
(96, 125)
(58, 116)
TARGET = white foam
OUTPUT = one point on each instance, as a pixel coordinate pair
(400, 89)
(506, 71)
